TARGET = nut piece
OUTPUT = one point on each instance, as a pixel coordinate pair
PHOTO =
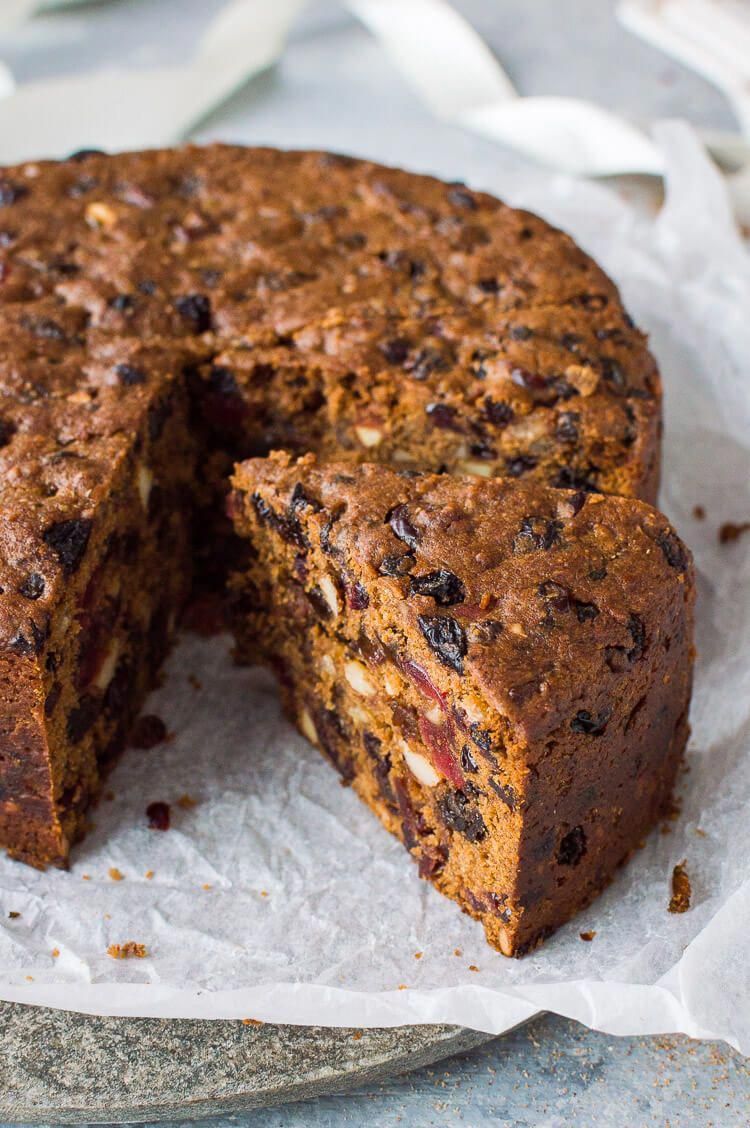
(306, 726)
(108, 666)
(99, 214)
(478, 469)
(359, 679)
(145, 480)
(368, 436)
(583, 377)
(329, 593)
(419, 766)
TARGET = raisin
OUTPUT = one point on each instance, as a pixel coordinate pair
(7, 431)
(158, 816)
(505, 792)
(443, 416)
(397, 565)
(158, 413)
(459, 814)
(148, 731)
(519, 464)
(572, 847)
(401, 526)
(44, 328)
(319, 603)
(405, 719)
(537, 533)
(468, 763)
(497, 412)
(489, 285)
(445, 588)
(69, 540)
(83, 154)
(122, 303)
(520, 332)
(674, 553)
(599, 573)
(427, 361)
(356, 596)
(32, 587)
(196, 310)
(52, 698)
(129, 375)
(333, 739)
(487, 631)
(462, 197)
(288, 528)
(637, 629)
(302, 500)
(586, 611)
(82, 718)
(613, 373)
(11, 192)
(483, 740)
(567, 426)
(446, 638)
(586, 722)
(396, 350)
(571, 478)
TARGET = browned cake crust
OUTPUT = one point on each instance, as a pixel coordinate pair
(164, 314)
(502, 670)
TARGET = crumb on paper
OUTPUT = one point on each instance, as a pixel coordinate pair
(588, 936)
(731, 531)
(403, 987)
(473, 967)
(13, 914)
(457, 952)
(130, 950)
(148, 875)
(148, 731)
(206, 885)
(85, 877)
(252, 1022)
(263, 893)
(55, 953)
(679, 902)
(700, 832)
(158, 815)
(418, 955)
(115, 874)
(187, 802)
(699, 513)
(357, 1035)
(29, 978)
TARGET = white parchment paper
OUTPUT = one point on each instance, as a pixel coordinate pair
(279, 897)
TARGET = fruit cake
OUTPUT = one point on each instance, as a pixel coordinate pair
(501, 669)
(166, 314)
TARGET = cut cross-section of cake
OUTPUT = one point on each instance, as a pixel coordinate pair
(501, 670)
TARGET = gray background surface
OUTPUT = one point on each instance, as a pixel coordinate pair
(551, 1072)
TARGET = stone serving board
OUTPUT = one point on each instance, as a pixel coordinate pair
(66, 1068)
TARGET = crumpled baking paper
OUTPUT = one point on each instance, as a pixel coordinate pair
(278, 896)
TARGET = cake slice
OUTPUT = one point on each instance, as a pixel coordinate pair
(501, 670)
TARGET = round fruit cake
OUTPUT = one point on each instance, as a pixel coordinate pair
(166, 315)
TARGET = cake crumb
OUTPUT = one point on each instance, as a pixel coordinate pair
(148, 731)
(206, 886)
(730, 531)
(115, 874)
(700, 832)
(252, 1022)
(263, 893)
(588, 936)
(55, 953)
(187, 802)
(457, 952)
(679, 902)
(130, 950)
(148, 875)
(13, 914)
(357, 1035)
(417, 955)
(699, 512)
(29, 978)
(473, 967)
(85, 877)
(402, 987)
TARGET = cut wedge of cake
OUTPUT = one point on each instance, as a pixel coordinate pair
(501, 670)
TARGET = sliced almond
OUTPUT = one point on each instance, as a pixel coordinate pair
(419, 766)
(109, 665)
(359, 679)
(99, 214)
(478, 469)
(331, 596)
(306, 726)
(145, 480)
(368, 436)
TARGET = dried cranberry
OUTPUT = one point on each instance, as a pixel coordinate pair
(445, 588)
(674, 553)
(537, 533)
(446, 638)
(32, 587)
(401, 526)
(356, 596)
(439, 740)
(422, 680)
(69, 540)
(397, 565)
(458, 813)
(129, 375)
(158, 816)
(196, 310)
(587, 723)
(148, 731)
(572, 847)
